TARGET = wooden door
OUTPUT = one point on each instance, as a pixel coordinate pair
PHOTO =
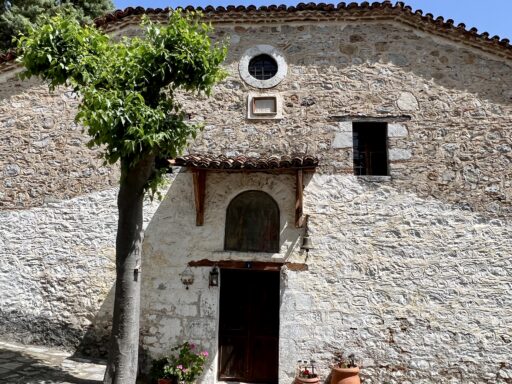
(249, 326)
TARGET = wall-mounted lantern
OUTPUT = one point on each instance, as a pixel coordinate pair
(214, 277)
(187, 277)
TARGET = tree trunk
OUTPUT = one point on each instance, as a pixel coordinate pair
(124, 341)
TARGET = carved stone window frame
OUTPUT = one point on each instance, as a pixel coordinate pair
(263, 49)
(277, 115)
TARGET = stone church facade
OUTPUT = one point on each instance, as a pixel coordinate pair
(379, 133)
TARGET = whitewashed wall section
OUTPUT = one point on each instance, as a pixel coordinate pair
(416, 288)
(57, 271)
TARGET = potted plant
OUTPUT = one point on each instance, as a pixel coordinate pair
(306, 373)
(158, 371)
(345, 371)
(183, 366)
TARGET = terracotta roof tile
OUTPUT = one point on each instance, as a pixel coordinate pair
(200, 161)
(383, 10)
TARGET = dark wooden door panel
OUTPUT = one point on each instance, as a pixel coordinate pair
(249, 326)
(232, 359)
(261, 370)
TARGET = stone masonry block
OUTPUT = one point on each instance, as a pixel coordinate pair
(396, 154)
(345, 126)
(407, 102)
(397, 130)
(342, 140)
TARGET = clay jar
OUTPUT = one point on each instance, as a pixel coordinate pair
(345, 375)
(303, 380)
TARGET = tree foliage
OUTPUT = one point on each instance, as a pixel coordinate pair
(16, 16)
(128, 87)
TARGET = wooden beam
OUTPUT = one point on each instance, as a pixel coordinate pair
(357, 118)
(299, 188)
(252, 265)
(199, 194)
(296, 266)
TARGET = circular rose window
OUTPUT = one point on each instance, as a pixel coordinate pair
(262, 66)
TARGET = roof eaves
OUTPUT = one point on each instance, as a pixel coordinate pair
(302, 11)
(315, 11)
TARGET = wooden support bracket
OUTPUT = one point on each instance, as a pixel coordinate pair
(253, 265)
(199, 194)
(299, 189)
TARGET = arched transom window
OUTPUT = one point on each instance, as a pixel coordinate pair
(252, 223)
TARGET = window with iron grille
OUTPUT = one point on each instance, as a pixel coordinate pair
(370, 148)
(263, 67)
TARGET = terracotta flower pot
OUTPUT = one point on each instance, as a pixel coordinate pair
(345, 375)
(164, 381)
(303, 380)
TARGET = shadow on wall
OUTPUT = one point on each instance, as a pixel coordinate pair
(172, 238)
(13, 86)
(95, 342)
(30, 329)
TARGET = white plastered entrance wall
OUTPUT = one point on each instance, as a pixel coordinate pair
(172, 314)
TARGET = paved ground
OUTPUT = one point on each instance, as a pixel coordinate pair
(41, 365)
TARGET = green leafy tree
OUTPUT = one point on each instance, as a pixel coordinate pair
(16, 16)
(127, 91)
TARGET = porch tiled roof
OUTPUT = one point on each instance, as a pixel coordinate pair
(200, 161)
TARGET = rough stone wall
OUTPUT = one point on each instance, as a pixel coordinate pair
(415, 287)
(457, 145)
(44, 153)
(58, 219)
(410, 271)
(57, 222)
(57, 271)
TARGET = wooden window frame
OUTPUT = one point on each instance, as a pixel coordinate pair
(237, 236)
(370, 148)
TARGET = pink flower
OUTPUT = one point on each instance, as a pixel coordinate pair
(192, 346)
(180, 367)
(204, 353)
(185, 370)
